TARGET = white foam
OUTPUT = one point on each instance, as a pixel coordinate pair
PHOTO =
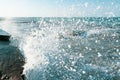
(36, 46)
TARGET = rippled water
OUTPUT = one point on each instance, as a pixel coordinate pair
(67, 48)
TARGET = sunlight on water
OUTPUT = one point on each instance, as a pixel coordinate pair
(68, 48)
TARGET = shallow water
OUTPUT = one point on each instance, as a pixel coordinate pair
(67, 48)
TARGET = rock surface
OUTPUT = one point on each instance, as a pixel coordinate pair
(4, 36)
(11, 62)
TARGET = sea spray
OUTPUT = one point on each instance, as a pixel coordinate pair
(53, 52)
(35, 48)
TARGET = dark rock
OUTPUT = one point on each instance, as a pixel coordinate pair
(11, 62)
(79, 33)
(4, 36)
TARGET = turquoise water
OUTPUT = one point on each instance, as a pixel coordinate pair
(67, 48)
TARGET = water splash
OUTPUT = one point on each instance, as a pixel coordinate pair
(37, 45)
(53, 53)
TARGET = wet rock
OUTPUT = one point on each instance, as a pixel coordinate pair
(79, 33)
(4, 36)
(11, 62)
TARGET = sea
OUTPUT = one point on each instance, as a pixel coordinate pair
(67, 48)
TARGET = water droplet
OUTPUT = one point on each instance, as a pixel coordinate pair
(119, 53)
(90, 49)
(86, 47)
(80, 55)
(117, 50)
(117, 41)
(99, 54)
(96, 41)
(83, 72)
(69, 46)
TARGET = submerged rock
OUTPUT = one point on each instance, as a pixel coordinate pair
(73, 33)
(79, 33)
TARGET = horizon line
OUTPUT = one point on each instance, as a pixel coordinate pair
(61, 16)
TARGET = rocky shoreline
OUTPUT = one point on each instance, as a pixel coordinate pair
(11, 61)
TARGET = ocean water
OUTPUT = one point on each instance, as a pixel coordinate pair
(60, 48)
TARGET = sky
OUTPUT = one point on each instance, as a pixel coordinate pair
(59, 8)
